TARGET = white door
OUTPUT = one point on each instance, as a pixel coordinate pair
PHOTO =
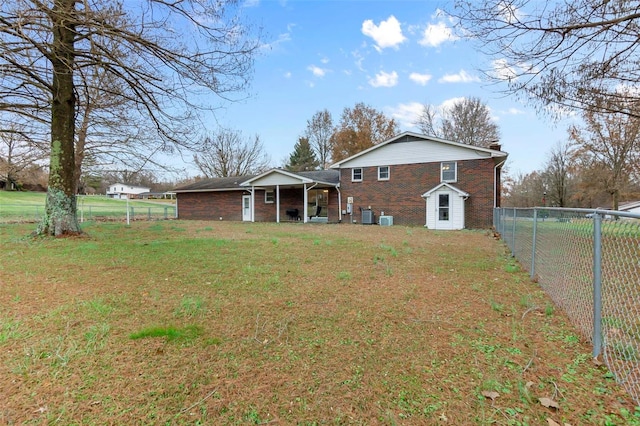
(246, 208)
(443, 210)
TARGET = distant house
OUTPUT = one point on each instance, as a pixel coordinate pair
(126, 191)
(630, 207)
(410, 179)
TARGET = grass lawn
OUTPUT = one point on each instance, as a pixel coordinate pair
(29, 207)
(188, 322)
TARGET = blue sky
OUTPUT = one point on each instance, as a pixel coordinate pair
(394, 56)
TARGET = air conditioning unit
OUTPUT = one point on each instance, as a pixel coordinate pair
(386, 220)
(367, 217)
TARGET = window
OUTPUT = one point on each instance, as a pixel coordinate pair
(443, 207)
(383, 173)
(448, 172)
(356, 175)
(269, 197)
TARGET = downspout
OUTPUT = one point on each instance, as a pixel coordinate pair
(339, 203)
(495, 182)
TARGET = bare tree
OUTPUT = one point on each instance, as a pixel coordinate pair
(467, 121)
(427, 121)
(319, 131)
(361, 127)
(17, 156)
(570, 54)
(611, 144)
(526, 190)
(225, 153)
(558, 175)
(169, 55)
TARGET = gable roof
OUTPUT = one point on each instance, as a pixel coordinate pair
(629, 205)
(269, 178)
(433, 142)
(215, 184)
(437, 187)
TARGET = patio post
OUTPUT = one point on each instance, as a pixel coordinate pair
(277, 203)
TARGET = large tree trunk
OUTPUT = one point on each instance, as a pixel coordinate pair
(60, 211)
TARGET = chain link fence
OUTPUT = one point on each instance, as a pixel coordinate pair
(21, 213)
(588, 262)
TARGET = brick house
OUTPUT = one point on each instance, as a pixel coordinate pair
(410, 179)
(422, 180)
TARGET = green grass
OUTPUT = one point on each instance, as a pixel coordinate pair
(170, 333)
(29, 206)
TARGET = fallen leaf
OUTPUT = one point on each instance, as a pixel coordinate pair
(529, 384)
(491, 394)
(549, 403)
(552, 423)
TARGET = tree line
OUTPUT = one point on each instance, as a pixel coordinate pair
(360, 127)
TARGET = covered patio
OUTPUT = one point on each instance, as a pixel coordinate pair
(312, 196)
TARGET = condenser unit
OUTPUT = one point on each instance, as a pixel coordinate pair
(386, 220)
(367, 217)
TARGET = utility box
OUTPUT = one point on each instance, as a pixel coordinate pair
(386, 220)
(368, 217)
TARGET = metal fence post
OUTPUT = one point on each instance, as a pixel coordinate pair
(597, 284)
(513, 234)
(533, 244)
(165, 213)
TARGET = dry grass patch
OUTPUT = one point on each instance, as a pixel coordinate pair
(289, 324)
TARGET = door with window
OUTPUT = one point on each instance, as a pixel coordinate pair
(246, 208)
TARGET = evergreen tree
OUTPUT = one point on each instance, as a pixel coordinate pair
(303, 158)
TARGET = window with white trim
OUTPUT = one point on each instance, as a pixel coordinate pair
(269, 197)
(383, 173)
(448, 171)
(356, 175)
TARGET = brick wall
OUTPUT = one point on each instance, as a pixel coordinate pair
(210, 205)
(401, 195)
(228, 205)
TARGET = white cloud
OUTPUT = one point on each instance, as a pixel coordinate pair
(421, 79)
(514, 111)
(461, 77)
(502, 70)
(317, 71)
(509, 12)
(287, 74)
(449, 103)
(384, 79)
(324, 60)
(436, 34)
(406, 114)
(387, 34)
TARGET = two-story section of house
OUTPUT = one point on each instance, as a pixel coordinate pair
(414, 179)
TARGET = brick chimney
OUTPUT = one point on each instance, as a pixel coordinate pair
(495, 145)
